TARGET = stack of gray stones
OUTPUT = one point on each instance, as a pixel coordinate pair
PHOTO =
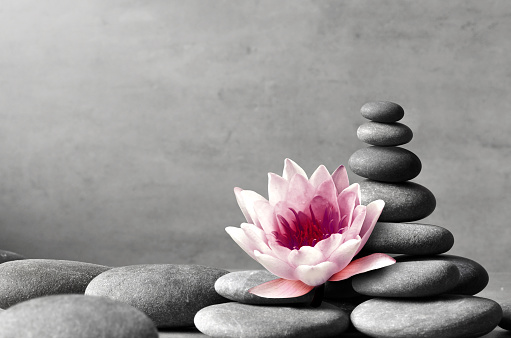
(426, 293)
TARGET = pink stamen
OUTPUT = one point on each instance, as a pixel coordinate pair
(307, 230)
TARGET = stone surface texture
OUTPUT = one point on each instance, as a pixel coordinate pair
(7, 256)
(385, 164)
(473, 276)
(404, 202)
(443, 316)
(408, 279)
(21, 280)
(258, 321)
(505, 322)
(384, 134)
(235, 285)
(169, 294)
(382, 111)
(409, 238)
(75, 316)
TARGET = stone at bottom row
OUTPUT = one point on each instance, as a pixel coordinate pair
(76, 316)
(442, 316)
(244, 320)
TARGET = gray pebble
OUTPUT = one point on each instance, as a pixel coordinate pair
(258, 321)
(169, 294)
(404, 202)
(21, 280)
(385, 164)
(235, 286)
(7, 256)
(473, 276)
(408, 279)
(76, 316)
(437, 317)
(505, 322)
(382, 111)
(409, 238)
(384, 134)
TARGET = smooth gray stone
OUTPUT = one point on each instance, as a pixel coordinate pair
(385, 164)
(409, 238)
(473, 276)
(384, 134)
(505, 322)
(382, 111)
(169, 294)
(258, 321)
(235, 286)
(75, 316)
(25, 279)
(404, 202)
(443, 316)
(7, 256)
(408, 279)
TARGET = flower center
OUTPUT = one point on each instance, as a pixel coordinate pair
(306, 230)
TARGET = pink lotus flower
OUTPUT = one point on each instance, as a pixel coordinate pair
(308, 231)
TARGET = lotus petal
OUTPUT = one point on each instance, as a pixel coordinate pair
(281, 288)
(364, 264)
(291, 168)
(316, 274)
(277, 188)
(275, 265)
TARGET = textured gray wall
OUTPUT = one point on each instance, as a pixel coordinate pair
(125, 125)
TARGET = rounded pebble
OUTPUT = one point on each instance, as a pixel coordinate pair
(169, 294)
(235, 286)
(382, 111)
(7, 256)
(404, 202)
(409, 238)
(258, 321)
(473, 276)
(21, 280)
(443, 316)
(408, 279)
(385, 164)
(505, 322)
(75, 316)
(384, 134)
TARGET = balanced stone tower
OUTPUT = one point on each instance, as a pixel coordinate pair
(426, 293)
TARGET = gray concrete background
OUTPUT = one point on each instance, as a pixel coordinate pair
(125, 125)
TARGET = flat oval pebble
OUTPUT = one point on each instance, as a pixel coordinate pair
(21, 280)
(169, 294)
(75, 316)
(382, 111)
(404, 202)
(408, 279)
(7, 256)
(384, 134)
(473, 276)
(385, 164)
(258, 321)
(409, 238)
(443, 316)
(235, 286)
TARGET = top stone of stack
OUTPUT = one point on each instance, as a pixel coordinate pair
(382, 111)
